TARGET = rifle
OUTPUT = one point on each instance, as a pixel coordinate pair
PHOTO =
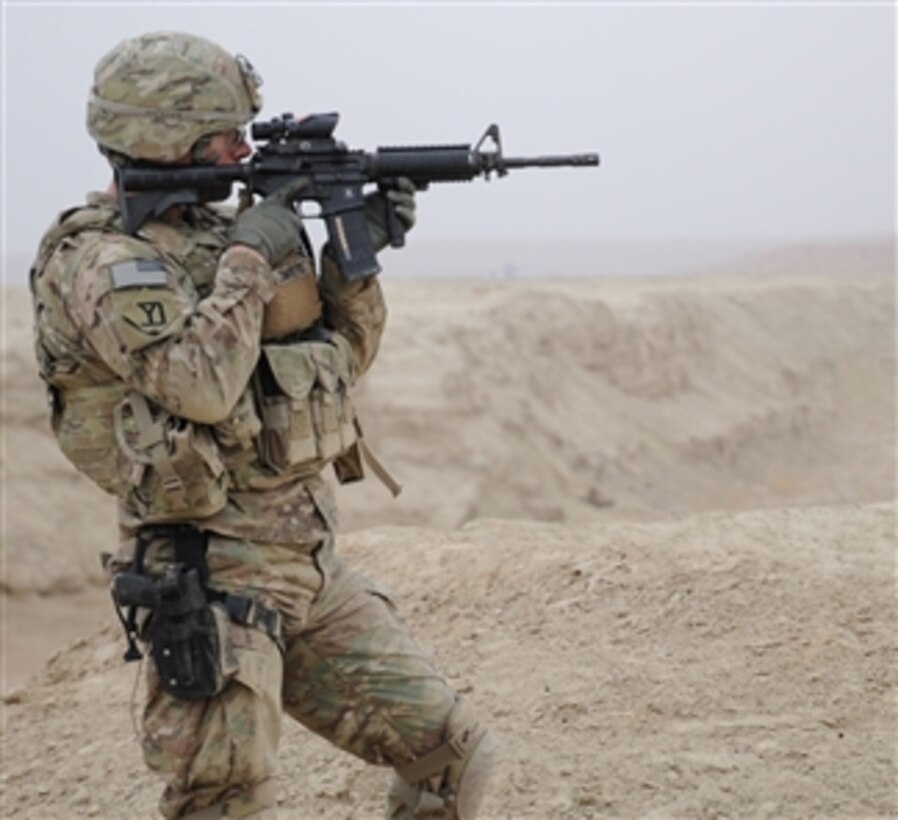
(306, 148)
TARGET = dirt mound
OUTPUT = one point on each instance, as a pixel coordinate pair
(554, 401)
(634, 658)
(713, 666)
(572, 401)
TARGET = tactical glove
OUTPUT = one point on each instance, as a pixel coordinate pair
(271, 226)
(400, 200)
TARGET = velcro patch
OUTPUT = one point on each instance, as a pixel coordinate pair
(141, 316)
(148, 316)
(138, 273)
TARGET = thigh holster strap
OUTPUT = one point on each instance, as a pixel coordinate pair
(250, 612)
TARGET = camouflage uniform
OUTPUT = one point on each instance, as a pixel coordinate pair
(170, 320)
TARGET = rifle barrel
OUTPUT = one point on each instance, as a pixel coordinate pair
(574, 160)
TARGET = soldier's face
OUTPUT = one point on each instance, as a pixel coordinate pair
(227, 147)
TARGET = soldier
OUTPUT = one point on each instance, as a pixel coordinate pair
(199, 370)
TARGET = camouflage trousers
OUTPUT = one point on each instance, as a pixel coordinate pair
(350, 672)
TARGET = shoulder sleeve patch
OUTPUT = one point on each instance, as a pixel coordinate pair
(138, 273)
(150, 316)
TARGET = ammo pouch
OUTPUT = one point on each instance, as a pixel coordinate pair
(308, 420)
(85, 429)
(176, 470)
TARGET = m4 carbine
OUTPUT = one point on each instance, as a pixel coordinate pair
(292, 148)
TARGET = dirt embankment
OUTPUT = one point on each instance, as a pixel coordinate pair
(724, 665)
(648, 525)
(553, 401)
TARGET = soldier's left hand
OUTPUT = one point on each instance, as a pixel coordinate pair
(400, 199)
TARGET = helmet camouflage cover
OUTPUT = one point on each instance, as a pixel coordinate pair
(155, 95)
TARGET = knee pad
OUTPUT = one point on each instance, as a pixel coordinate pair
(464, 764)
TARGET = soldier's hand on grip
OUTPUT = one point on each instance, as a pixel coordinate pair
(271, 226)
(400, 199)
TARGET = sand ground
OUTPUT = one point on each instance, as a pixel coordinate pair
(648, 525)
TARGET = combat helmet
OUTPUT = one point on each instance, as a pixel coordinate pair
(155, 95)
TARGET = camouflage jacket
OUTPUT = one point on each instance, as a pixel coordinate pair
(150, 346)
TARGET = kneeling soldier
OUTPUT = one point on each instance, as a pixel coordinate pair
(201, 371)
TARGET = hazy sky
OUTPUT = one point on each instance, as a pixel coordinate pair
(720, 120)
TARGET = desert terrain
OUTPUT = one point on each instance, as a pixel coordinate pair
(648, 525)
